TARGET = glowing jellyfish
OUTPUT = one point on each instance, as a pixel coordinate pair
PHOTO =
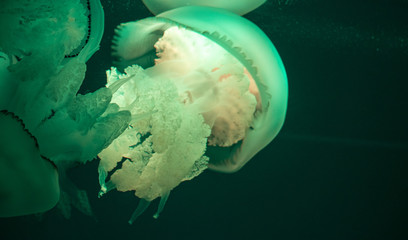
(218, 81)
(240, 7)
(42, 67)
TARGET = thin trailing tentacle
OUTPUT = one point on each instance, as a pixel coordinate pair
(162, 203)
(141, 207)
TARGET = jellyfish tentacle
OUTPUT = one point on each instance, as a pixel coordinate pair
(102, 175)
(141, 207)
(105, 188)
(162, 203)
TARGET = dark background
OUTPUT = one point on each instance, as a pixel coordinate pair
(337, 170)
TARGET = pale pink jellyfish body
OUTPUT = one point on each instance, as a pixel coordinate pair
(217, 81)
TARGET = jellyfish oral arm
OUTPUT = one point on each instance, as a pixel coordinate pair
(205, 77)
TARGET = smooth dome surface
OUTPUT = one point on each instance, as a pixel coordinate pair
(240, 7)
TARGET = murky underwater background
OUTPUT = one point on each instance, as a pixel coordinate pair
(337, 170)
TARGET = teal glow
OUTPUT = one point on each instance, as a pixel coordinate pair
(39, 86)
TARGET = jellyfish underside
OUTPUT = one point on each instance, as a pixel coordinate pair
(196, 94)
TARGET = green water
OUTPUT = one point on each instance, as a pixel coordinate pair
(338, 168)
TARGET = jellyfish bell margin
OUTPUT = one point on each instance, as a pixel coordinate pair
(28, 181)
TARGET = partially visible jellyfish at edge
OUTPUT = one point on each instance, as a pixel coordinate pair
(239, 7)
(45, 125)
(38, 190)
(214, 96)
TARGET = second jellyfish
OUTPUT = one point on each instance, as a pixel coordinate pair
(186, 93)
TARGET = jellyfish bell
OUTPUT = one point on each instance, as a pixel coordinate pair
(38, 190)
(28, 181)
(218, 80)
(259, 56)
(239, 7)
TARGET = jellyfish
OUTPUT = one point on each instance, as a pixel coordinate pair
(205, 87)
(45, 124)
(240, 7)
(31, 184)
